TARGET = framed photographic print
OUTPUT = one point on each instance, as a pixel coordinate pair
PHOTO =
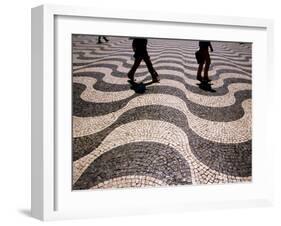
(136, 113)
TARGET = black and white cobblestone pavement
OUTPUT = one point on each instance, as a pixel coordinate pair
(173, 134)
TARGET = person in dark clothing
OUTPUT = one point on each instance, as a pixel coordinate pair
(140, 49)
(99, 39)
(203, 57)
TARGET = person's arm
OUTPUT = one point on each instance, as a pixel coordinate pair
(211, 47)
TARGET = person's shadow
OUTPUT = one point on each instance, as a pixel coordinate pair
(139, 87)
(206, 86)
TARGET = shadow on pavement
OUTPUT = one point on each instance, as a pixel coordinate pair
(206, 87)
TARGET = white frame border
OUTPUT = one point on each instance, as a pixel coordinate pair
(43, 93)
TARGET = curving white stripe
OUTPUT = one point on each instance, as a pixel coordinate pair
(233, 132)
(108, 77)
(208, 101)
(149, 131)
(130, 181)
(225, 132)
(92, 95)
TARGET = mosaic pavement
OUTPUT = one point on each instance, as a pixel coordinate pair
(173, 134)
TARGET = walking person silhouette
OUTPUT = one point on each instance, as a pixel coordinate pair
(140, 49)
(99, 39)
(203, 57)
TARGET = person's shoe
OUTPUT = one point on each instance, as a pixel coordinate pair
(199, 78)
(155, 80)
(99, 42)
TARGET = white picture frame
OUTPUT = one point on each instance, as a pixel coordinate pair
(51, 198)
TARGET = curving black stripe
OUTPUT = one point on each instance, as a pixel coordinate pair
(143, 158)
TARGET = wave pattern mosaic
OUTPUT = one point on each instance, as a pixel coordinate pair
(161, 124)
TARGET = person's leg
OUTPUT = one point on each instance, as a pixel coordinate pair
(148, 63)
(131, 73)
(199, 71)
(201, 61)
(150, 68)
(207, 66)
(99, 39)
(105, 38)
